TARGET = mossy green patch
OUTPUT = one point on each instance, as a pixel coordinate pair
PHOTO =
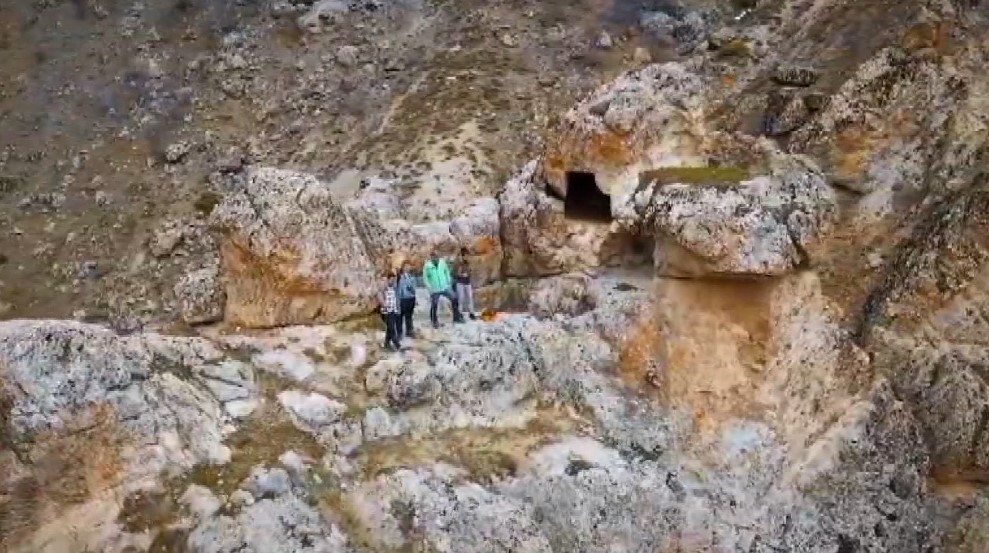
(260, 441)
(10, 183)
(722, 175)
(206, 202)
(734, 49)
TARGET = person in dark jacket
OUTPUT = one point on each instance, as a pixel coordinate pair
(406, 292)
(462, 283)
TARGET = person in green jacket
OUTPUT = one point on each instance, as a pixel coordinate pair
(439, 281)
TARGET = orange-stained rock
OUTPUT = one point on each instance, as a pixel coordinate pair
(291, 254)
(646, 119)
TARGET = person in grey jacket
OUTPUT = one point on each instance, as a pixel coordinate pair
(405, 289)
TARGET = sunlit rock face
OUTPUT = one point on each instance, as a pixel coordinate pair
(291, 253)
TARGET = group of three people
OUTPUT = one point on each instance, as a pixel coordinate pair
(398, 297)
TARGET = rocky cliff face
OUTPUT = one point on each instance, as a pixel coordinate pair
(770, 339)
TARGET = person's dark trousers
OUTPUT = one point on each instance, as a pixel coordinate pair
(391, 330)
(434, 299)
(407, 306)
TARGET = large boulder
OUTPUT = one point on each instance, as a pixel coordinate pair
(84, 411)
(765, 226)
(291, 253)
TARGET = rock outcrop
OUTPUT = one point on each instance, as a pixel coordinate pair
(536, 237)
(428, 506)
(646, 119)
(803, 369)
(292, 253)
(568, 295)
(201, 296)
(408, 232)
(86, 412)
(272, 516)
(539, 240)
(765, 226)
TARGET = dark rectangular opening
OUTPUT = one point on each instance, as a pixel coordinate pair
(584, 200)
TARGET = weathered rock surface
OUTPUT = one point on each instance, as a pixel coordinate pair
(86, 411)
(426, 507)
(768, 225)
(538, 240)
(970, 536)
(483, 376)
(409, 232)
(795, 75)
(279, 521)
(201, 296)
(681, 413)
(324, 418)
(291, 253)
(644, 120)
(569, 295)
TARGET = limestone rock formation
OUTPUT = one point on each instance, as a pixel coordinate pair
(538, 239)
(446, 516)
(86, 412)
(440, 391)
(646, 119)
(802, 369)
(201, 296)
(291, 253)
(275, 519)
(324, 418)
(400, 231)
(764, 226)
(570, 294)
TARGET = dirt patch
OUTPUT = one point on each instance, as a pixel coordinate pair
(712, 337)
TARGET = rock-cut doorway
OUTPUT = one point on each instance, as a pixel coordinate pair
(585, 201)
